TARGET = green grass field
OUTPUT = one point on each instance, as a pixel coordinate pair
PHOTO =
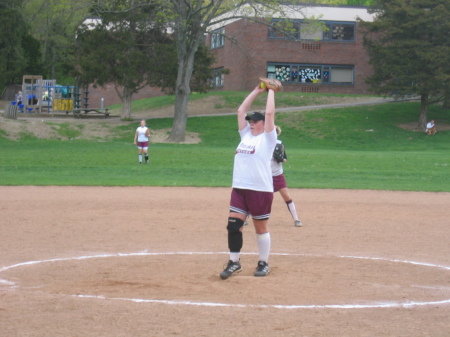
(348, 148)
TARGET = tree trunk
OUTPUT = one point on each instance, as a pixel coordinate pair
(189, 31)
(126, 103)
(182, 90)
(178, 133)
(446, 104)
(423, 111)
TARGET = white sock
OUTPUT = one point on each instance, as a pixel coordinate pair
(292, 209)
(263, 241)
(140, 158)
(235, 257)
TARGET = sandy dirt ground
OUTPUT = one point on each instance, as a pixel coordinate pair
(145, 261)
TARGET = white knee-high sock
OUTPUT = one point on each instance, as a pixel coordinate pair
(140, 158)
(263, 241)
(235, 257)
(292, 210)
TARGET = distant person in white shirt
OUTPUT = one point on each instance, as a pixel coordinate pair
(19, 98)
(141, 141)
(431, 128)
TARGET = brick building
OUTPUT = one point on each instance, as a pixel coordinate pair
(332, 61)
(310, 60)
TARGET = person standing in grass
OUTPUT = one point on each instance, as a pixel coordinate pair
(252, 188)
(141, 140)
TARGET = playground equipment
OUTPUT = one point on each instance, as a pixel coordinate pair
(86, 108)
(41, 95)
(32, 91)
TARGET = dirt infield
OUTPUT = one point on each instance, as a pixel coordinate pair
(119, 261)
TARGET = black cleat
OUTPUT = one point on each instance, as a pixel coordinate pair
(231, 268)
(262, 269)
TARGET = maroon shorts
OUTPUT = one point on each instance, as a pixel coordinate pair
(279, 182)
(257, 204)
(142, 145)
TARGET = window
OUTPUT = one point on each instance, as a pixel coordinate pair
(298, 29)
(310, 73)
(217, 79)
(217, 38)
(341, 75)
(339, 32)
(284, 29)
(310, 32)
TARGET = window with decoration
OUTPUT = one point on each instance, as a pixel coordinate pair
(311, 73)
(339, 32)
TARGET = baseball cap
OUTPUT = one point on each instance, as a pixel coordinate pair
(255, 116)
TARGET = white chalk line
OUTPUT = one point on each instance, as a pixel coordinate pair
(408, 304)
(394, 304)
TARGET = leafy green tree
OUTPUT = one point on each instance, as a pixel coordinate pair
(409, 48)
(119, 48)
(12, 54)
(53, 23)
(189, 20)
(33, 55)
(165, 68)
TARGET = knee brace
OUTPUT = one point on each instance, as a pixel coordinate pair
(235, 234)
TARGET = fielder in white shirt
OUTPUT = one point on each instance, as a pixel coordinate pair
(141, 141)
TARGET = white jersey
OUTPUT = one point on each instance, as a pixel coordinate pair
(141, 131)
(277, 168)
(252, 161)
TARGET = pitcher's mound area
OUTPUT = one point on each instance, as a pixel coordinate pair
(145, 261)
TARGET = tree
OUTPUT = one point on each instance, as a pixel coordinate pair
(32, 53)
(190, 20)
(165, 68)
(127, 54)
(12, 55)
(409, 48)
(53, 24)
(136, 51)
(19, 50)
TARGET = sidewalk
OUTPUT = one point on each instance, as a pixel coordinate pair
(342, 105)
(324, 106)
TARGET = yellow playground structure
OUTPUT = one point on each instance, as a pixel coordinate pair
(40, 95)
(45, 96)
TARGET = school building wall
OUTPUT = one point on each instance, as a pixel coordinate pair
(247, 59)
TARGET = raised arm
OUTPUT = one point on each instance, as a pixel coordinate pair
(269, 123)
(246, 105)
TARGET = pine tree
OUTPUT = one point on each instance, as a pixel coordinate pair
(409, 48)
